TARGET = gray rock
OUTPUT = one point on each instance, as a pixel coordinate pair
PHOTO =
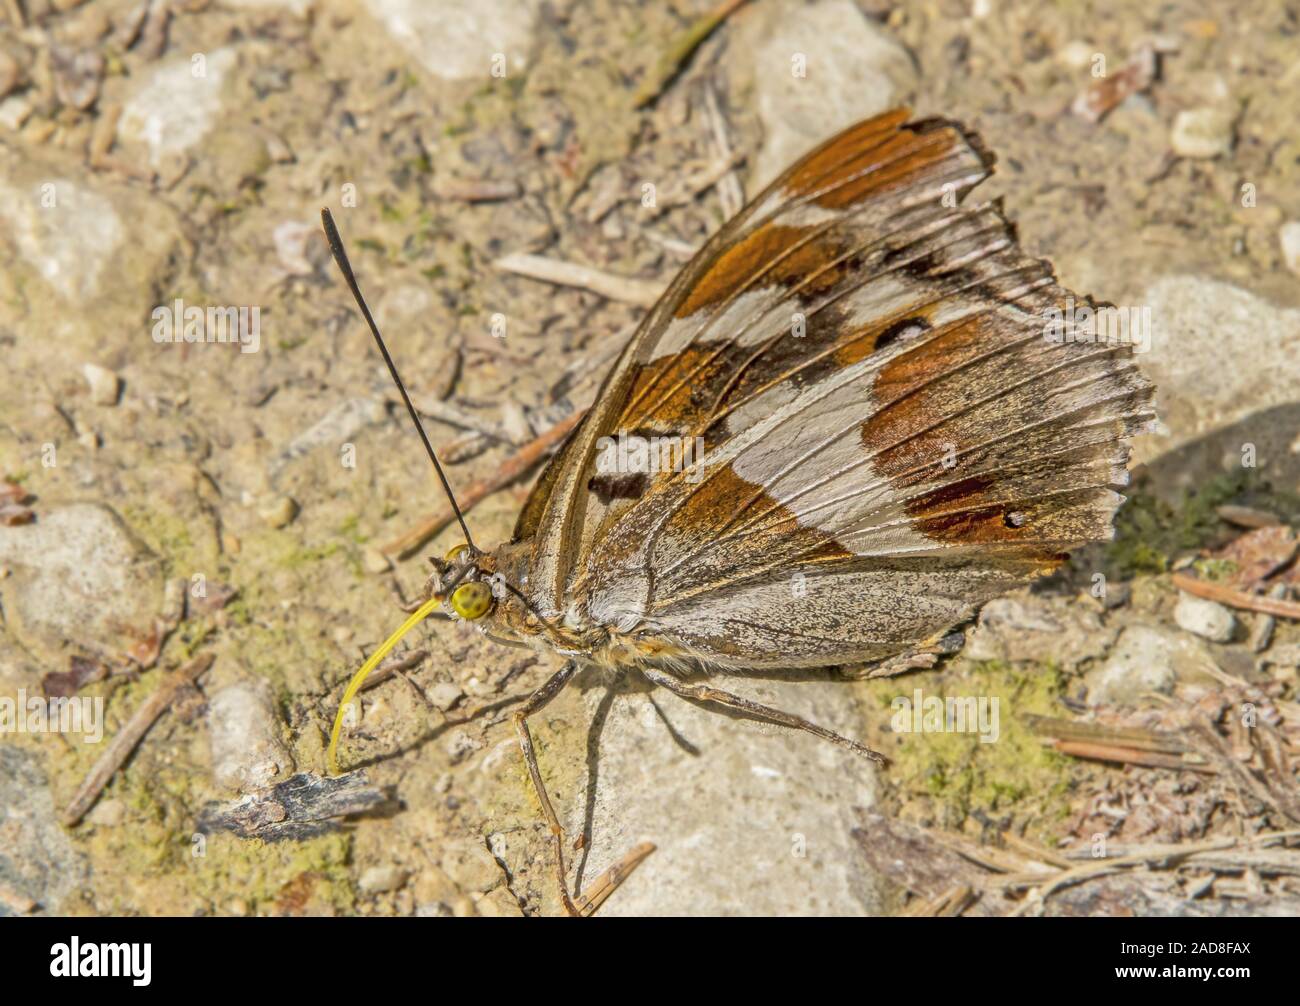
(781, 802)
(853, 70)
(1202, 132)
(1030, 628)
(36, 858)
(78, 574)
(1146, 659)
(1197, 323)
(1204, 618)
(244, 730)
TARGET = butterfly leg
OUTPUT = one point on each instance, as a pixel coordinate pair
(534, 703)
(922, 658)
(705, 693)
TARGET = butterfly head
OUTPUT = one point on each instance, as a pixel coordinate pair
(464, 579)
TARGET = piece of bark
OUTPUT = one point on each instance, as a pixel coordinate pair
(301, 807)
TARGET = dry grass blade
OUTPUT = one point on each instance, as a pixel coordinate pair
(608, 882)
(628, 289)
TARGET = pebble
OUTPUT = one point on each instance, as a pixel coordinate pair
(1204, 618)
(445, 694)
(279, 512)
(1289, 238)
(374, 561)
(14, 111)
(381, 879)
(1144, 659)
(105, 386)
(1202, 133)
(78, 573)
(107, 814)
(247, 752)
(460, 745)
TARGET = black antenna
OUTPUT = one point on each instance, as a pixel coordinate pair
(341, 257)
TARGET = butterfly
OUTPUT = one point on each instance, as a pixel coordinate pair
(842, 428)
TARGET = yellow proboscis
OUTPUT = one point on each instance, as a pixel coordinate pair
(358, 679)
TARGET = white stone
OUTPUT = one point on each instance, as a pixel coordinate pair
(105, 385)
(381, 880)
(1202, 132)
(458, 39)
(1204, 618)
(176, 106)
(1289, 238)
(1145, 659)
(445, 694)
(374, 561)
(791, 823)
(14, 111)
(247, 752)
(66, 231)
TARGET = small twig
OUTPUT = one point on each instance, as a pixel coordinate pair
(948, 904)
(1130, 756)
(608, 882)
(1236, 598)
(1028, 848)
(628, 289)
(1261, 633)
(510, 469)
(454, 415)
(680, 50)
(394, 665)
(1100, 734)
(730, 192)
(475, 190)
(1245, 516)
(126, 739)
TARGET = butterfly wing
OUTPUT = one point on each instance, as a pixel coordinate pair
(888, 438)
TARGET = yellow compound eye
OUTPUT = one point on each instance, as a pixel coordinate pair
(454, 551)
(471, 600)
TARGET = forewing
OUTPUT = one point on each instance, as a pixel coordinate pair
(865, 364)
